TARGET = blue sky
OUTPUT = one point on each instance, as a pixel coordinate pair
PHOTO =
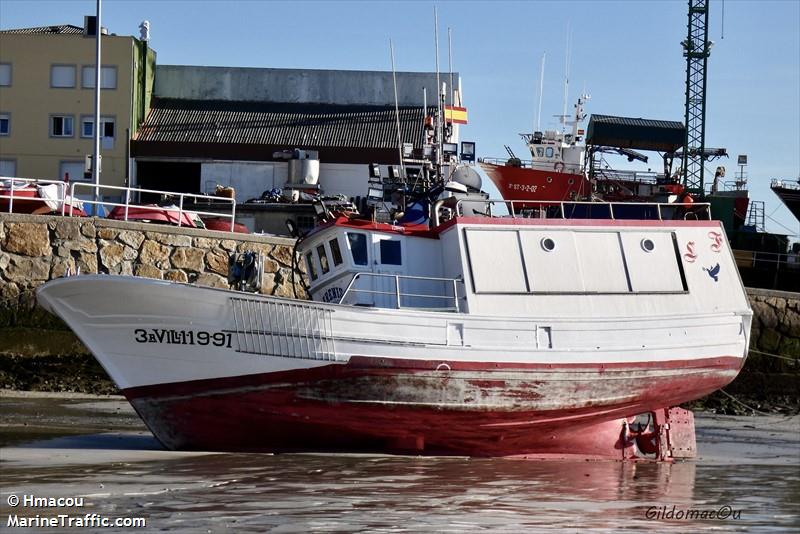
(626, 53)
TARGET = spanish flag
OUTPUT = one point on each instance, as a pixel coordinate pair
(455, 114)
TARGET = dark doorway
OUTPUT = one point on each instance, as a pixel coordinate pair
(173, 176)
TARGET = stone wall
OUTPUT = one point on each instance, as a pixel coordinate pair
(776, 322)
(37, 248)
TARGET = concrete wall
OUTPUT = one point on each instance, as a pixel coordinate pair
(31, 101)
(294, 85)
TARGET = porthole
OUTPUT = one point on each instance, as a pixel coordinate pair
(548, 245)
(648, 245)
(571, 181)
(549, 179)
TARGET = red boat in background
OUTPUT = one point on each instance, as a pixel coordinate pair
(555, 171)
(37, 197)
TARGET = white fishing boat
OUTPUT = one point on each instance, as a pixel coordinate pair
(478, 335)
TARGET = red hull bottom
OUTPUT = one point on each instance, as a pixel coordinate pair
(369, 406)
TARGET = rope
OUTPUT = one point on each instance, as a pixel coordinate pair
(793, 360)
(737, 401)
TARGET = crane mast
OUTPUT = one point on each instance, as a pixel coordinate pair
(696, 49)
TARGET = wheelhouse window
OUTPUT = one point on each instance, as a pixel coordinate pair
(62, 76)
(61, 126)
(312, 268)
(390, 252)
(358, 248)
(549, 152)
(323, 259)
(336, 252)
(108, 77)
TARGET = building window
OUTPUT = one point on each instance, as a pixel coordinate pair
(107, 130)
(5, 74)
(62, 76)
(61, 126)
(108, 77)
(8, 167)
(5, 124)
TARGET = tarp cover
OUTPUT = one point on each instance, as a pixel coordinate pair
(638, 134)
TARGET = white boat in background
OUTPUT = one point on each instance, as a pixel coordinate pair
(479, 335)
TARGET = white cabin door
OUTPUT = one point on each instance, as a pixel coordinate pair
(389, 261)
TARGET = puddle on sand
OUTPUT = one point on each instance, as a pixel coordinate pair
(124, 474)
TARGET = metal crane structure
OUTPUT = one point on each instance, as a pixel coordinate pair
(696, 49)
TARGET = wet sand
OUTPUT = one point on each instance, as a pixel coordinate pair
(64, 445)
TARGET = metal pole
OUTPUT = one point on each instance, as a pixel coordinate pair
(96, 151)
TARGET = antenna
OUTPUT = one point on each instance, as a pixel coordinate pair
(439, 132)
(450, 66)
(567, 59)
(541, 92)
(397, 115)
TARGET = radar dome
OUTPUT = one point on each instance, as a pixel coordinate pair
(467, 176)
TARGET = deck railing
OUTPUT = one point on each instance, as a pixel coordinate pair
(537, 209)
(13, 181)
(569, 168)
(127, 191)
(398, 295)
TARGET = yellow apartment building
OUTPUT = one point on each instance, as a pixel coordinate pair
(47, 80)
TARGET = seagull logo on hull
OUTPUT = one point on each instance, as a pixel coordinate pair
(713, 272)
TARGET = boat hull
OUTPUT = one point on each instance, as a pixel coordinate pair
(791, 197)
(440, 408)
(522, 183)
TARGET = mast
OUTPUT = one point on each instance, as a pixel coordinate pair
(439, 126)
(567, 59)
(397, 115)
(541, 93)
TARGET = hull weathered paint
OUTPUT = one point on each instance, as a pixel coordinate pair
(376, 405)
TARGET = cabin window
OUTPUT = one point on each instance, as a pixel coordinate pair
(323, 259)
(390, 252)
(549, 152)
(358, 248)
(336, 252)
(312, 268)
(540, 152)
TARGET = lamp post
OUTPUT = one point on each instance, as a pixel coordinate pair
(96, 151)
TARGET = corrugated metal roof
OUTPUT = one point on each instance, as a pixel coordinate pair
(636, 122)
(289, 124)
(635, 133)
(60, 29)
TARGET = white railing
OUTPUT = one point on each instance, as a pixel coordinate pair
(788, 184)
(558, 209)
(568, 168)
(127, 204)
(12, 181)
(399, 295)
